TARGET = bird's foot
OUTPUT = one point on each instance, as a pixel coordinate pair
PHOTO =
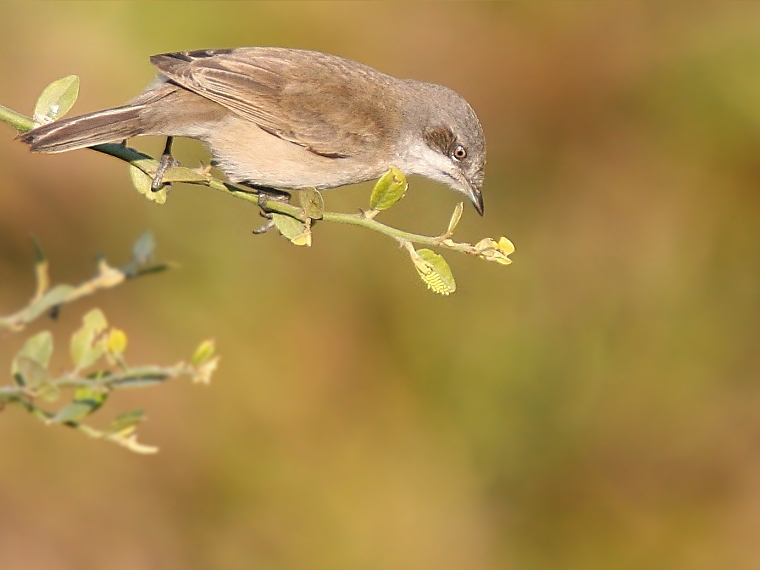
(164, 163)
(265, 194)
(266, 226)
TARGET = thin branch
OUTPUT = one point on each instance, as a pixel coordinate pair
(127, 438)
(130, 378)
(202, 176)
(100, 367)
(16, 120)
(47, 299)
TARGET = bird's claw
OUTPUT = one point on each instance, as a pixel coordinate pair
(164, 163)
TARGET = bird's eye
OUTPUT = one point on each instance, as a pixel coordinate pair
(459, 152)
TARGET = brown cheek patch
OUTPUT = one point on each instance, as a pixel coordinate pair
(440, 139)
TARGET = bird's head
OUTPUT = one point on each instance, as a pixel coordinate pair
(449, 145)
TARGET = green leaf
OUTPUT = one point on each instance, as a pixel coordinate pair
(490, 250)
(144, 247)
(86, 347)
(312, 203)
(295, 230)
(52, 297)
(388, 190)
(56, 99)
(38, 253)
(287, 226)
(28, 372)
(142, 182)
(303, 239)
(40, 270)
(434, 271)
(95, 320)
(38, 348)
(71, 412)
(126, 423)
(455, 217)
(49, 392)
(86, 401)
(204, 352)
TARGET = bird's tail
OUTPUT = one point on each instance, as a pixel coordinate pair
(111, 125)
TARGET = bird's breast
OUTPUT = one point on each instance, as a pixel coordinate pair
(245, 152)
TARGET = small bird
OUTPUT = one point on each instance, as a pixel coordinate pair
(289, 119)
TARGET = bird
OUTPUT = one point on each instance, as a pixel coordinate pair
(289, 119)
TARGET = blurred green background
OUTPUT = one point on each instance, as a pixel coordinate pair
(594, 405)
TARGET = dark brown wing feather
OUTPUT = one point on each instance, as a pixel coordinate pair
(331, 106)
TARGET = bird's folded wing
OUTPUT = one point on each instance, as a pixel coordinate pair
(323, 103)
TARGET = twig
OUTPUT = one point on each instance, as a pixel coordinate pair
(47, 299)
(202, 176)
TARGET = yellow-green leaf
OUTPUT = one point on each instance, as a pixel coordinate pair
(312, 203)
(86, 401)
(303, 239)
(38, 347)
(29, 372)
(434, 271)
(505, 246)
(142, 182)
(93, 396)
(455, 217)
(204, 352)
(48, 392)
(490, 250)
(56, 99)
(126, 423)
(50, 299)
(485, 244)
(71, 413)
(388, 190)
(95, 320)
(86, 349)
(295, 230)
(42, 276)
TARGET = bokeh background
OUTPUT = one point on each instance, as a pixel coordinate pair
(594, 405)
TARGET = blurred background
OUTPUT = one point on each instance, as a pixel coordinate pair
(594, 405)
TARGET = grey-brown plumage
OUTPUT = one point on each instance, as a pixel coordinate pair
(290, 119)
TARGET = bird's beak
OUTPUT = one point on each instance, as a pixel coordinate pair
(476, 197)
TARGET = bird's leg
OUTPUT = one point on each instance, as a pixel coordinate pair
(266, 226)
(265, 193)
(165, 163)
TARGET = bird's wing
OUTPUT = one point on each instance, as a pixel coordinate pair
(321, 102)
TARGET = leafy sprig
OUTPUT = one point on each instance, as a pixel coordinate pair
(97, 352)
(291, 220)
(49, 299)
(99, 367)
